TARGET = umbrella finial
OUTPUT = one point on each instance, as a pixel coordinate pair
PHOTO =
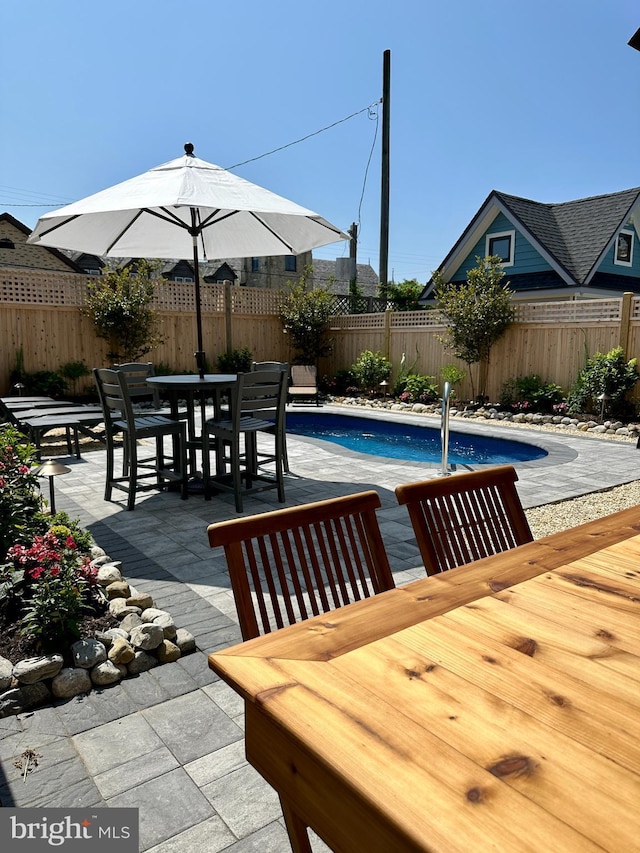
(188, 147)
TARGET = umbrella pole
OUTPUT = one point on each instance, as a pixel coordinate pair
(200, 355)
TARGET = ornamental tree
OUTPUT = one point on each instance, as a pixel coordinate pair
(477, 312)
(119, 303)
(305, 313)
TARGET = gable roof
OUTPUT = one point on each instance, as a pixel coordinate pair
(572, 236)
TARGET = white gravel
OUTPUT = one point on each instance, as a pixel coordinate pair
(552, 518)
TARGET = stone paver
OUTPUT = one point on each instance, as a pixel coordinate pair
(170, 741)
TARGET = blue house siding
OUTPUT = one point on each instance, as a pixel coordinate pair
(526, 259)
(608, 266)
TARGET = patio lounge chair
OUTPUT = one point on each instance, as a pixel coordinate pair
(46, 416)
(304, 384)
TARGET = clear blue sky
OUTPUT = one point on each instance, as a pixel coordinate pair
(538, 98)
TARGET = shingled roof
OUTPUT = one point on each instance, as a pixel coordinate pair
(576, 233)
(573, 235)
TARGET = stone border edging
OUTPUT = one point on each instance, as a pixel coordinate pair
(145, 637)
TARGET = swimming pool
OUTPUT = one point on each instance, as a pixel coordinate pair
(396, 440)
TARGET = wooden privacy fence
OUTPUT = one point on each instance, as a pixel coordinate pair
(550, 339)
(40, 315)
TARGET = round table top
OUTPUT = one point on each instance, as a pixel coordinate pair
(191, 381)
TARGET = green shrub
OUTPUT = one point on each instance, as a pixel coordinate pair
(236, 361)
(453, 374)
(530, 392)
(419, 389)
(45, 382)
(341, 381)
(74, 370)
(370, 369)
(606, 374)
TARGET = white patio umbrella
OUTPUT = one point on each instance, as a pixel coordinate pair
(182, 209)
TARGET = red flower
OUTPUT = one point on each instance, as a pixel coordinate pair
(35, 573)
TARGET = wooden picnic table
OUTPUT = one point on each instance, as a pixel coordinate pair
(494, 707)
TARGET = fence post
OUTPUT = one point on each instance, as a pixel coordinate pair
(387, 333)
(625, 320)
(227, 317)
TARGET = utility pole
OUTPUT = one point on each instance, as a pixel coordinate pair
(353, 263)
(384, 199)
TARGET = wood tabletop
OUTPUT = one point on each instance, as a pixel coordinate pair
(492, 707)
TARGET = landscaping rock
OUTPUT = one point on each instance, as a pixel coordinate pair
(71, 681)
(105, 673)
(121, 651)
(87, 653)
(108, 574)
(30, 670)
(119, 608)
(185, 641)
(146, 636)
(118, 589)
(167, 652)
(130, 621)
(6, 673)
(150, 613)
(107, 638)
(141, 600)
(22, 698)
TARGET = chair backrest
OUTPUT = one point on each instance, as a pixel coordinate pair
(136, 374)
(465, 517)
(258, 393)
(270, 365)
(290, 564)
(304, 374)
(113, 392)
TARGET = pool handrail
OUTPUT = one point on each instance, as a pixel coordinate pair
(444, 429)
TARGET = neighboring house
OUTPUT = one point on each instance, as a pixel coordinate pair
(14, 251)
(335, 275)
(573, 250)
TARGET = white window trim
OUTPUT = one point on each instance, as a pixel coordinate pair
(616, 261)
(512, 245)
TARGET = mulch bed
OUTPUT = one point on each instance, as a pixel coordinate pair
(15, 647)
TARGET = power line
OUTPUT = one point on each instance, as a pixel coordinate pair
(304, 138)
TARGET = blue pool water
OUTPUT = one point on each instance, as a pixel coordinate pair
(410, 443)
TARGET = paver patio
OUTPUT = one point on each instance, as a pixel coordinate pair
(170, 741)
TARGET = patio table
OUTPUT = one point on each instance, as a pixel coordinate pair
(194, 390)
(491, 707)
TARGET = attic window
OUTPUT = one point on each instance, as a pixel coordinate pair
(624, 249)
(502, 245)
(6, 243)
(183, 278)
(290, 263)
